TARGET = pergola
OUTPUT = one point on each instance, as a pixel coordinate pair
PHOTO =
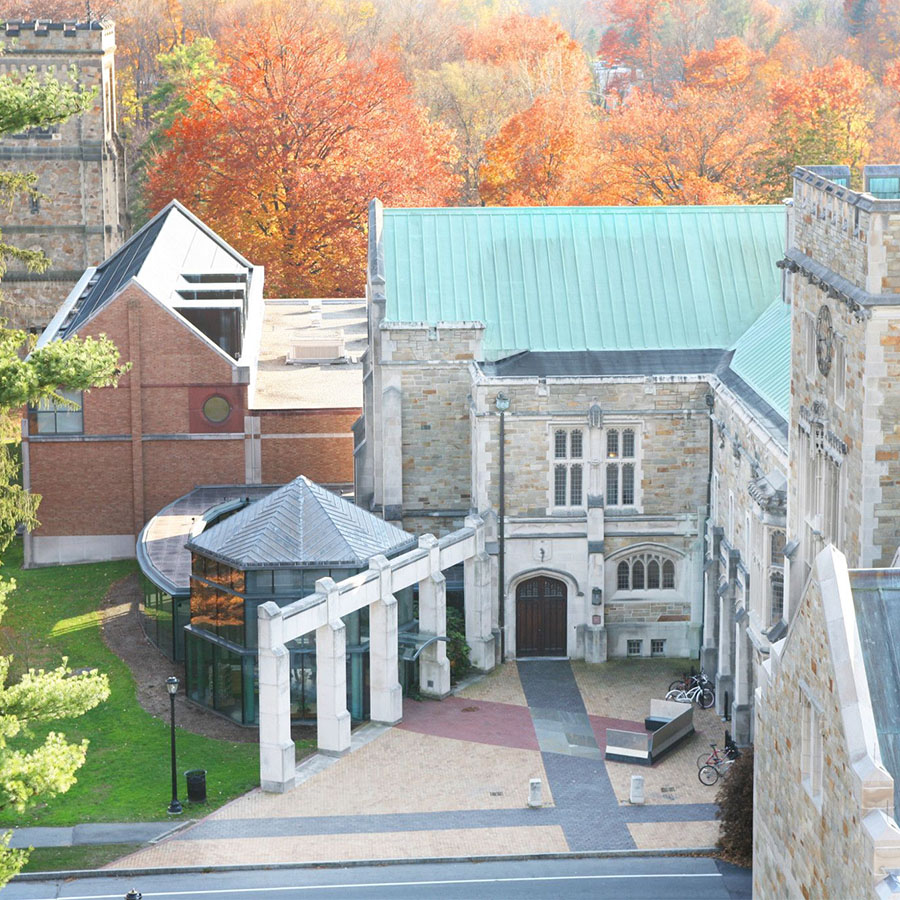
(321, 612)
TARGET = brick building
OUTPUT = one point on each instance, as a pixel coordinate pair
(187, 311)
(80, 166)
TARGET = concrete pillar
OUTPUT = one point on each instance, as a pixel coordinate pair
(479, 601)
(724, 676)
(434, 667)
(709, 656)
(385, 692)
(741, 711)
(392, 451)
(277, 760)
(332, 717)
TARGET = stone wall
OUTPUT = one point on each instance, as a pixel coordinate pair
(430, 368)
(80, 168)
(858, 238)
(809, 844)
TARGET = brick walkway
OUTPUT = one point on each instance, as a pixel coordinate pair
(452, 779)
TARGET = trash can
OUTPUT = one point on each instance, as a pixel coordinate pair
(196, 785)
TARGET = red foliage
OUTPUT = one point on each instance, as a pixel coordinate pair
(284, 164)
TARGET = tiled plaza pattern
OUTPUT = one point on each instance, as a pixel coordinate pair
(452, 780)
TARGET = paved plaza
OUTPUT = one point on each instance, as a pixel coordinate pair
(452, 779)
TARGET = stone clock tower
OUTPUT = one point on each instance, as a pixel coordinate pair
(842, 278)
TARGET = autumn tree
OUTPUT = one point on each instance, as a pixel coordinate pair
(538, 54)
(544, 156)
(282, 164)
(701, 143)
(822, 117)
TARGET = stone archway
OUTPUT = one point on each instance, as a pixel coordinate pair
(541, 611)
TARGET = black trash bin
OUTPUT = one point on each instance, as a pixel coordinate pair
(196, 785)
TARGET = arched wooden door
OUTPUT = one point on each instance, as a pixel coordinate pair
(541, 617)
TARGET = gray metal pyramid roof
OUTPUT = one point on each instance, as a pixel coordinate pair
(300, 525)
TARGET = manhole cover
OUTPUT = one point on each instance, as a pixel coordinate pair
(470, 709)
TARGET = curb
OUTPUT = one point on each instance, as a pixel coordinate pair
(359, 863)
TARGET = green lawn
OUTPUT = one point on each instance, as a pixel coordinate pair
(54, 613)
(69, 859)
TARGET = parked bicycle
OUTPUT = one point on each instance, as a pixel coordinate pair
(710, 774)
(716, 756)
(688, 681)
(703, 697)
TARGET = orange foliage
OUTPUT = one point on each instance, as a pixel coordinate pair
(702, 144)
(284, 164)
(540, 54)
(543, 156)
(630, 39)
(730, 62)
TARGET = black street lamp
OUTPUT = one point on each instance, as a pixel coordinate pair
(172, 687)
(502, 404)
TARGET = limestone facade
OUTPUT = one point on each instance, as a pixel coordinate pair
(823, 801)
(80, 167)
(743, 581)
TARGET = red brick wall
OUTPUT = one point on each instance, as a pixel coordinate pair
(85, 487)
(90, 487)
(172, 468)
(323, 459)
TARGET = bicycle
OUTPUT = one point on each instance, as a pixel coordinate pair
(686, 682)
(710, 774)
(703, 697)
(717, 756)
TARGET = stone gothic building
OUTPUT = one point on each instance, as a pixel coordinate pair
(828, 696)
(637, 362)
(80, 167)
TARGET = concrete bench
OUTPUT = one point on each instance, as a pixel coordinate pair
(667, 725)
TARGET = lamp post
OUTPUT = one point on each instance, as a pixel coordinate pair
(172, 687)
(502, 404)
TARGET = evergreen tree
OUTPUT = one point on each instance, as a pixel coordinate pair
(31, 770)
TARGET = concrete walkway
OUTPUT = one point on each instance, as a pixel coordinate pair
(94, 833)
(452, 780)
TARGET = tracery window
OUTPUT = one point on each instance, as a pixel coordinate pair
(621, 464)
(646, 571)
(568, 467)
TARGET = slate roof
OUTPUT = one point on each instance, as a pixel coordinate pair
(585, 278)
(160, 547)
(876, 599)
(575, 363)
(301, 525)
(173, 244)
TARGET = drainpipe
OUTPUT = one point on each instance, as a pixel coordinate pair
(502, 404)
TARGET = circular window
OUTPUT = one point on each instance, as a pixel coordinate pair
(217, 409)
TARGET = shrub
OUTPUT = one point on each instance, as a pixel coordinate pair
(735, 813)
(457, 648)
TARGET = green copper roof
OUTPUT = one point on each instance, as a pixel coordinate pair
(592, 278)
(762, 357)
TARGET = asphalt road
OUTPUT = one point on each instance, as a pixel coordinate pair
(633, 878)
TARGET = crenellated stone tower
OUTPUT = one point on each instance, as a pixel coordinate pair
(80, 166)
(843, 276)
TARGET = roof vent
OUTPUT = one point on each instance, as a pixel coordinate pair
(320, 349)
(882, 182)
(838, 174)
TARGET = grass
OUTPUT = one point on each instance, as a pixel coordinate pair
(68, 859)
(54, 612)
